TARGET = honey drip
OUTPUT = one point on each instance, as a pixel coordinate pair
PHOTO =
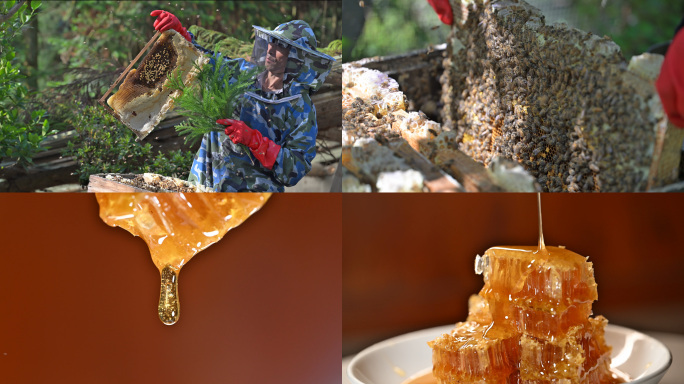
(169, 306)
(542, 246)
(177, 226)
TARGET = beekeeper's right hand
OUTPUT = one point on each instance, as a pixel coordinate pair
(670, 82)
(443, 9)
(167, 20)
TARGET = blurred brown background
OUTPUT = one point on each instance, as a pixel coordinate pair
(408, 259)
(78, 299)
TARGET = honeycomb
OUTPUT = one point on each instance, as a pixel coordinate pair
(144, 97)
(156, 66)
(557, 100)
(529, 324)
(177, 226)
(368, 98)
(373, 115)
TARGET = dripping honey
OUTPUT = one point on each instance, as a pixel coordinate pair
(177, 226)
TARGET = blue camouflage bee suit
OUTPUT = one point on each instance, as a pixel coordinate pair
(287, 117)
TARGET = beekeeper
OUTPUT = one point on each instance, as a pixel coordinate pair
(277, 120)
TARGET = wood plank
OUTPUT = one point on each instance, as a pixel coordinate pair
(40, 176)
(435, 179)
(667, 156)
(405, 62)
(97, 183)
(328, 110)
(469, 173)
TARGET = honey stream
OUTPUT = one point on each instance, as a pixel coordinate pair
(177, 226)
(542, 246)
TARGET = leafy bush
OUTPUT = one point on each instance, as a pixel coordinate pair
(635, 25)
(22, 126)
(83, 45)
(104, 145)
(214, 95)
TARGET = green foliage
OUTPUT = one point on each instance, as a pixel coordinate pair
(399, 26)
(85, 42)
(213, 95)
(82, 47)
(104, 145)
(634, 25)
(333, 49)
(392, 27)
(226, 45)
(22, 126)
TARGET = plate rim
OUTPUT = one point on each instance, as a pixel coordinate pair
(664, 368)
(392, 340)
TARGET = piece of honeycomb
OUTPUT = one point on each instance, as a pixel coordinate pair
(529, 324)
(473, 353)
(521, 272)
(581, 357)
(144, 97)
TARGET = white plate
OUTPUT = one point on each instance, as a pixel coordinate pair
(392, 361)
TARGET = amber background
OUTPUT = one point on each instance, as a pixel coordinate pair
(78, 298)
(408, 259)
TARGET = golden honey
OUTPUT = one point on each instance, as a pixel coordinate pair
(529, 324)
(177, 226)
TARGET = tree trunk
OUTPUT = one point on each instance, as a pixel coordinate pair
(32, 53)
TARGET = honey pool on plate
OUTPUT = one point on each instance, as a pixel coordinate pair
(177, 226)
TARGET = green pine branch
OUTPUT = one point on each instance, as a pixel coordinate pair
(210, 97)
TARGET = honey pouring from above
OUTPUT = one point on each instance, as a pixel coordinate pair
(530, 323)
(177, 226)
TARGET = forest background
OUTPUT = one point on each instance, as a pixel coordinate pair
(57, 58)
(388, 27)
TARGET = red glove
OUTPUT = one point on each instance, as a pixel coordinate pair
(167, 20)
(670, 82)
(443, 9)
(263, 148)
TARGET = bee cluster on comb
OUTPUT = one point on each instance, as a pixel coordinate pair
(559, 101)
(156, 66)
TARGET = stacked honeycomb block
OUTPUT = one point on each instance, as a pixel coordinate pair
(529, 324)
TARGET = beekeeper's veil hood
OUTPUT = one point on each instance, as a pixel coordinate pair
(306, 67)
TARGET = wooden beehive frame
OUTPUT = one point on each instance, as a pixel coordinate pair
(103, 100)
